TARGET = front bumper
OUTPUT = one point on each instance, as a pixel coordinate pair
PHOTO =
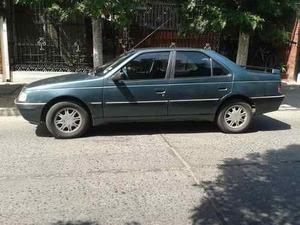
(267, 104)
(31, 112)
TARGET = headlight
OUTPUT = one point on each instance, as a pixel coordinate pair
(22, 97)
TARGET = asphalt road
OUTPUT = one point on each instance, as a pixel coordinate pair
(162, 173)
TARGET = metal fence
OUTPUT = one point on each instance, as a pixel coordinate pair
(39, 42)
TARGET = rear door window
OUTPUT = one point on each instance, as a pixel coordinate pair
(192, 64)
(218, 70)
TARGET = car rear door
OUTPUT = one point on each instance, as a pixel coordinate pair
(197, 84)
(143, 93)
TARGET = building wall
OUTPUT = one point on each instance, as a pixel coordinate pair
(0, 61)
(293, 52)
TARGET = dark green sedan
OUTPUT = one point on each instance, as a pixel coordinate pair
(161, 84)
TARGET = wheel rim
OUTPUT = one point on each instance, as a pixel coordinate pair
(68, 120)
(236, 116)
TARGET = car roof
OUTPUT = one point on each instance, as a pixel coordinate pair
(156, 49)
(166, 49)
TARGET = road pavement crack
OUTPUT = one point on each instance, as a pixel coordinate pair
(188, 167)
(181, 159)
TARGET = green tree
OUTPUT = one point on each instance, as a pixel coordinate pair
(269, 18)
(118, 11)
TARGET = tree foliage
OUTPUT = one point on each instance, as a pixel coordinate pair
(270, 18)
(119, 11)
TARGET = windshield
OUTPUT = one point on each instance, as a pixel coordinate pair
(104, 69)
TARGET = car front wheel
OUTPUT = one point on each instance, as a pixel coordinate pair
(67, 120)
(235, 117)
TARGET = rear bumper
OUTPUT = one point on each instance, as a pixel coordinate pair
(30, 111)
(267, 104)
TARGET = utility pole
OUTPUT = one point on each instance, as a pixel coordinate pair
(4, 43)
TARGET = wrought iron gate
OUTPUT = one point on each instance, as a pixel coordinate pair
(39, 42)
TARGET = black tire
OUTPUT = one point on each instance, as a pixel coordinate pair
(223, 118)
(58, 131)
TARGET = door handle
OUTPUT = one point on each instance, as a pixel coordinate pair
(162, 93)
(223, 89)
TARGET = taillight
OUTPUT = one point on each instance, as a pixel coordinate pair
(279, 88)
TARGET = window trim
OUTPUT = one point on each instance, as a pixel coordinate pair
(211, 67)
(142, 53)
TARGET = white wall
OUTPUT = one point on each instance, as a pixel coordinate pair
(4, 49)
(31, 76)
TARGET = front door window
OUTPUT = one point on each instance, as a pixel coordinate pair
(147, 66)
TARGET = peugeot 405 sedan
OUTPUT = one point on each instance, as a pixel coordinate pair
(157, 84)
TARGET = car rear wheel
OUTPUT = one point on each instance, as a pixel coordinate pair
(235, 117)
(67, 120)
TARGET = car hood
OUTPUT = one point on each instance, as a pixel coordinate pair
(62, 80)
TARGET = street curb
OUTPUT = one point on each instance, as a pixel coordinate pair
(11, 111)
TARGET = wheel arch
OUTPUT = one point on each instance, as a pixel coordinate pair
(234, 98)
(65, 98)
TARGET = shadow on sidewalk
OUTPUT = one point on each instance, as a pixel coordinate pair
(8, 93)
(256, 190)
(292, 93)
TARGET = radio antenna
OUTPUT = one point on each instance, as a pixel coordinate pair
(149, 35)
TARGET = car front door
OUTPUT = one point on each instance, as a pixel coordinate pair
(197, 84)
(141, 92)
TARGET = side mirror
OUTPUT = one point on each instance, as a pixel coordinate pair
(118, 76)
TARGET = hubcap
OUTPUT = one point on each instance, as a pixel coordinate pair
(236, 116)
(67, 120)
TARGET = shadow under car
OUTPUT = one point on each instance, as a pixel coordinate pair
(260, 123)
